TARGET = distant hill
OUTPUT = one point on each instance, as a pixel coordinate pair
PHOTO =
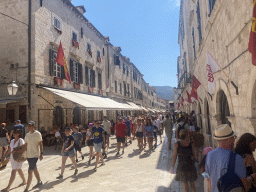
(165, 92)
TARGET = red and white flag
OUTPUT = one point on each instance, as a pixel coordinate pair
(189, 98)
(211, 67)
(195, 86)
(252, 40)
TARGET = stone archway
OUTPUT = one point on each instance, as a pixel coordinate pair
(224, 108)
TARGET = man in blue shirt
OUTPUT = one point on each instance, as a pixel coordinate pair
(78, 142)
(217, 160)
(99, 141)
(18, 126)
(128, 125)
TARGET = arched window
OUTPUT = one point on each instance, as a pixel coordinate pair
(224, 108)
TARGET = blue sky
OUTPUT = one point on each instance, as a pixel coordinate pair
(146, 31)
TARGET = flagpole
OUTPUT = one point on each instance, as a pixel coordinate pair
(207, 91)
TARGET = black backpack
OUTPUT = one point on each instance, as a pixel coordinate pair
(230, 179)
(180, 127)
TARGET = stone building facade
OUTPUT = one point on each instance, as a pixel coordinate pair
(91, 60)
(221, 28)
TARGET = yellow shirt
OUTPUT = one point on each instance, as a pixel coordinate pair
(32, 140)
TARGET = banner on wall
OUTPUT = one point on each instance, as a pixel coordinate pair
(211, 67)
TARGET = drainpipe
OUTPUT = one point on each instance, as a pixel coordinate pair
(29, 57)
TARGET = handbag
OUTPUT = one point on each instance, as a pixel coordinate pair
(17, 154)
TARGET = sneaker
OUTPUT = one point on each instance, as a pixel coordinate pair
(76, 160)
(126, 144)
(105, 156)
(102, 163)
(26, 190)
(123, 152)
(89, 162)
(130, 142)
(82, 157)
(93, 157)
(38, 184)
(76, 171)
(117, 153)
(59, 177)
(95, 169)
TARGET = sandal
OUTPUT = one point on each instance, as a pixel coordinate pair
(5, 190)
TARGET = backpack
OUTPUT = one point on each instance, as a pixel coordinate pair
(180, 127)
(230, 181)
(199, 139)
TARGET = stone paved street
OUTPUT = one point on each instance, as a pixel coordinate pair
(131, 172)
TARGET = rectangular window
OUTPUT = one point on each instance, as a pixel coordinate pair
(116, 60)
(74, 70)
(128, 90)
(82, 33)
(194, 45)
(89, 47)
(98, 56)
(41, 3)
(127, 70)
(99, 81)
(57, 24)
(125, 89)
(121, 88)
(199, 27)
(123, 68)
(92, 78)
(103, 52)
(115, 87)
(74, 36)
(56, 69)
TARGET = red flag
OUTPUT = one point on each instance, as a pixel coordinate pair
(189, 98)
(60, 59)
(194, 94)
(196, 83)
(182, 101)
(252, 40)
(178, 105)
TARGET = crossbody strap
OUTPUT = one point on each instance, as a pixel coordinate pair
(231, 162)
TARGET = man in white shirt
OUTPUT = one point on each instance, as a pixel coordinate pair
(107, 128)
(34, 146)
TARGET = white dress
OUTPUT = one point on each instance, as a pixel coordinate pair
(15, 164)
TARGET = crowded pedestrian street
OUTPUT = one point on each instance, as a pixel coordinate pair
(132, 171)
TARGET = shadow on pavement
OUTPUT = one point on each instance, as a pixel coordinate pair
(49, 185)
(135, 153)
(83, 175)
(145, 154)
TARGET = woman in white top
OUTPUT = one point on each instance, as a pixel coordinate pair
(89, 142)
(16, 166)
(139, 133)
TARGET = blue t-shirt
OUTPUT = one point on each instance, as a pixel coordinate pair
(128, 124)
(97, 134)
(21, 127)
(149, 128)
(77, 136)
(217, 163)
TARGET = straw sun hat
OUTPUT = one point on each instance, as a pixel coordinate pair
(223, 131)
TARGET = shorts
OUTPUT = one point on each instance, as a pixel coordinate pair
(128, 133)
(120, 139)
(32, 163)
(70, 153)
(77, 148)
(98, 147)
(90, 142)
(3, 142)
(140, 134)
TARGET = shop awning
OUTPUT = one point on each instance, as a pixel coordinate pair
(5, 101)
(90, 102)
(136, 107)
(145, 109)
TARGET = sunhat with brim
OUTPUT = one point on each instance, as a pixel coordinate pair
(223, 132)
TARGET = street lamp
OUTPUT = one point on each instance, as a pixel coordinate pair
(12, 88)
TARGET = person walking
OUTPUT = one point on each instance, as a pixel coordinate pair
(168, 126)
(68, 150)
(120, 134)
(220, 156)
(128, 132)
(149, 128)
(99, 141)
(18, 126)
(89, 142)
(186, 170)
(4, 139)
(107, 128)
(139, 133)
(34, 146)
(78, 138)
(16, 166)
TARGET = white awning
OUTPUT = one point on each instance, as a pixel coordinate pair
(145, 109)
(90, 102)
(136, 107)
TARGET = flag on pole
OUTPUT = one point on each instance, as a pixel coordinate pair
(60, 59)
(196, 83)
(211, 67)
(182, 101)
(189, 98)
(252, 40)
(178, 105)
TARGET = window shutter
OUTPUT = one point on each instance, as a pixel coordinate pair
(62, 72)
(51, 62)
(93, 78)
(99, 81)
(80, 73)
(82, 33)
(71, 70)
(86, 75)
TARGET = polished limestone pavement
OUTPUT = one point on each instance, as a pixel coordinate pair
(129, 172)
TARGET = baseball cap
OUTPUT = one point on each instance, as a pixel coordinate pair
(67, 128)
(18, 121)
(90, 125)
(31, 123)
(120, 118)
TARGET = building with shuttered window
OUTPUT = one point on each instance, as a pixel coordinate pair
(103, 81)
